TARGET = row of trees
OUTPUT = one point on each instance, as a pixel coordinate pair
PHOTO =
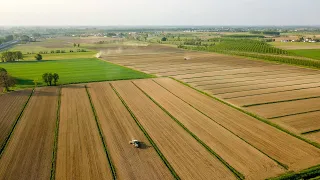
(49, 77)
(6, 80)
(58, 51)
(9, 56)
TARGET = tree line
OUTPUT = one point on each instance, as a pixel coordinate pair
(48, 78)
(6, 81)
(9, 56)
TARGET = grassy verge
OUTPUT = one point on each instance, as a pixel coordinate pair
(112, 167)
(254, 116)
(278, 162)
(312, 172)
(175, 175)
(3, 146)
(233, 170)
(55, 144)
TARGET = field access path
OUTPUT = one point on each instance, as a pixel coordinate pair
(285, 95)
(28, 154)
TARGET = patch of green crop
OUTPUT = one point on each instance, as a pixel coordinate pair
(70, 71)
(310, 53)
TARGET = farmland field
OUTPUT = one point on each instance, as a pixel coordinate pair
(310, 53)
(237, 80)
(223, 143)
(28, 154)
(70, 71)
(173, 141)
(119, 127)
(11, 106)
(80, 152)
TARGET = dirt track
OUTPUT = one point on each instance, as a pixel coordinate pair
(240, 155)
(80, 152)
(119, 128)
(29, 152)
(188, 158)
(11, 106)
(296, 154)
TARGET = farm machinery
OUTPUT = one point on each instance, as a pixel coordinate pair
(135, 143)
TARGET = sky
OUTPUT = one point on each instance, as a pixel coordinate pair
(159, 12)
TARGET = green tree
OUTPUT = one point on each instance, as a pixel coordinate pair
(8, 38)
(74, 44)
(164, 39)
(55, 78)
(45, 78)
(6, 80)
(78, 45)
(50, 78)
(38, 57)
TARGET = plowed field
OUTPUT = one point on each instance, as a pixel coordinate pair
(80, 152)
(119, 128)
(29, 152)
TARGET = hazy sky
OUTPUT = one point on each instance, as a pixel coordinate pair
(160, 12)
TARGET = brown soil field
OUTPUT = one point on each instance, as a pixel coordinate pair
(29, 152)
(281, 96)
(268, 90)
(257, 75)
(286, 108)
(187, 157)
(249, 161)
(256, 80)
(314, 136)
(119, 128)
(135, 49)
(245, 86)
(295, 153)
(11, 106)
(80, 153)
(302, 122)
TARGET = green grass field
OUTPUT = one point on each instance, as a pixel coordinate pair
(310, 53)
(70, 71)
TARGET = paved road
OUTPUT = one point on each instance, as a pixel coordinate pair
(8, 44)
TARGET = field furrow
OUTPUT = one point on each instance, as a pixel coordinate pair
(188, 158)
(80, 150)
(119, 128)
(246, 159)
(294, 153)
(28, 154)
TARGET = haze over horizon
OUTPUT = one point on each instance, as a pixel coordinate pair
(164, 12)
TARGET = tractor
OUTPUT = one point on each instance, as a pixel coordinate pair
(135, 143)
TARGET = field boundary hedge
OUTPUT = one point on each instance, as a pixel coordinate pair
(5, 143)
(111, 165)
(166, 162)
(55, 143)
(233, 170)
